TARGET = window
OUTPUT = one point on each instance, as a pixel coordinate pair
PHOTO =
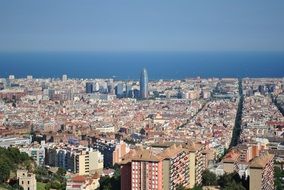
(28, 182)
(22, 182)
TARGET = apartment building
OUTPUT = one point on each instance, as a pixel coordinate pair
(36, 151)
(163, 167)
(112, 150)
(197, 162)
(77, 159)
(231, 160)
(88, 162)
(262, 172)
(175, 167)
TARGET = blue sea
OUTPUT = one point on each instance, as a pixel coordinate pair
(160, 65)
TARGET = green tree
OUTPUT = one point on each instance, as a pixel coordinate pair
(24, 156)
(225, 179)
(209, 178)
(4, 172)
(61, 172)
(56, 185)
(278, 175)
(105, 183)
(231, 181)
(108, 183)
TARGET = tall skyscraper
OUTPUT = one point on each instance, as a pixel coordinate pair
(29, 77)
(89, 87)
(64, 78)
(144, 84)
(11, 77)
(110, 86)
(119, 90)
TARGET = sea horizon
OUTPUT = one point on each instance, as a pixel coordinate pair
(128, 65)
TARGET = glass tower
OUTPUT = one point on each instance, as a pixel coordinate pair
(89, 87)
(144, 84)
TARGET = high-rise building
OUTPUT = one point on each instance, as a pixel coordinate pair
(110, 86)
(262, 172)
(51, 93)
(29, 77)
(129, 92)
(197, 163)
(11, 77)
(88, 162)
(96, 87)
(142, 169)
(89, 87)
(175, 167)
(119, 90)
(111, 150)
(64, 78)
(157, 168)
(136, 93)
(144, 84)
(120, 150)
(76, 159)
(36, 151)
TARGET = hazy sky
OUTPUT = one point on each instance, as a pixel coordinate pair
(141, 25)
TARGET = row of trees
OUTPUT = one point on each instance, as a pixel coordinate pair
(238, 120)
(227, 181)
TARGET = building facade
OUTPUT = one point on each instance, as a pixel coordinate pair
(144, 84)
(26, 180)
(36, 151)
(89, 87)
(112, 151)
(80, 160)
(197, 163)
(158, 168)
(262, 172)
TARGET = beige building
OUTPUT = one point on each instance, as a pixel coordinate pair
(175, 167)
(26, 180)
(120, 150)
(230, 161)
(88, 162)
(262, 172)
(197, 163)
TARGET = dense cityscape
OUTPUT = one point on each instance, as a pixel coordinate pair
(141, 95)
(194, 133)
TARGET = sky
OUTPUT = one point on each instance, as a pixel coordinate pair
(141, 25)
